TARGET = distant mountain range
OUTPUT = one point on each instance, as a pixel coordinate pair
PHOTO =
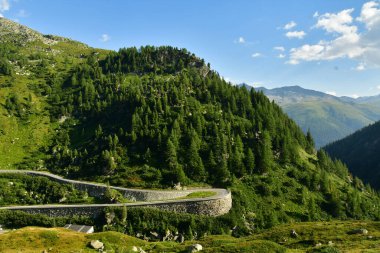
(360, 151)
(329, 118)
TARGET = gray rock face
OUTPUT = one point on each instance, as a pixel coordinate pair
(96, 244)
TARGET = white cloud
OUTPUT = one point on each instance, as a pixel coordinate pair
(332, 93)
(360, 67)
(105, 38)
(4, 5)
(290, 25)
(256, 55)
(295, 34)
(370, 14)
(316, 14)
(348, 41)
(378, 87)
(306, 53)
(241, 40)
(339, 22)
(279, 48)
(281, 56)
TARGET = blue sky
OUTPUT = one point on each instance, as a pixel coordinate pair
(327, 45)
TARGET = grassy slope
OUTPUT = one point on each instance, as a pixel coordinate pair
(272, 240)
(20, 140)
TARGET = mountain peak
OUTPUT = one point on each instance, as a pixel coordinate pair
(14, 32)
(293, 91)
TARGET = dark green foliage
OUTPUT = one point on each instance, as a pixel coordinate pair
(324, 249)
(167, 116)
(360, 151)
(145, 220)
(159, 60)
(5, 67)
(264, 153)
(17, 219)
(153, 117)
(309, 142)
(18, 189)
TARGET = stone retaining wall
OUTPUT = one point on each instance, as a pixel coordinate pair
(216, 205)
(98, 190)
(209, 207)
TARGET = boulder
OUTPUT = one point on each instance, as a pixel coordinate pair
(195, 248)
(177, 186)
(293, 234)
(180, 238)
(137, 249)
(360, 231)
(168, 236)
(154, 235)
(96, 244)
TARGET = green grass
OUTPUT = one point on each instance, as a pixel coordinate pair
(20, 139)
(200, 194)
(277, 239)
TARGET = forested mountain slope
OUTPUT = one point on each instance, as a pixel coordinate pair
(328, 117)
(156, 116)
(360, 151)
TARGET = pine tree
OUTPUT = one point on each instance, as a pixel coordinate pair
(309, 143)
(222, 174)
(250, 161)
(265, 155)
(236, 161)
(196, 170)
(176, 173)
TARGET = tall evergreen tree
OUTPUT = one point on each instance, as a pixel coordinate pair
(175, 172)
(264, 154)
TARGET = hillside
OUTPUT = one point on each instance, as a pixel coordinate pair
(360, 152)
(329, 118)
(30, 64)
(157, 116)
(331, 236)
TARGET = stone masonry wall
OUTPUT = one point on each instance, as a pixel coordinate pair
(216, 205)
(209, 207)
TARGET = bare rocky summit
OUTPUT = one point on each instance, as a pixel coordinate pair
(14, 32)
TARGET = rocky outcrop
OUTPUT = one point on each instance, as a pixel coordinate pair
(195, 248)
(96, 244)
(18, 34)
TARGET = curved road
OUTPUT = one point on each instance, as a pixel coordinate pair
(221, 202)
